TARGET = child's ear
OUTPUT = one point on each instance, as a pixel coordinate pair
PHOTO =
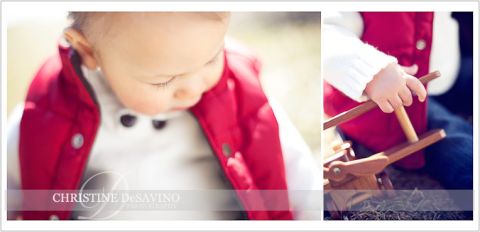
(82, 46)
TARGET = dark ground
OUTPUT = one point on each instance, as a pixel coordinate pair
(406, 205)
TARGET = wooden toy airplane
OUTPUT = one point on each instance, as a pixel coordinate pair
(358, 179)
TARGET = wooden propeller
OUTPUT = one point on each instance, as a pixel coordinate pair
(338, 170)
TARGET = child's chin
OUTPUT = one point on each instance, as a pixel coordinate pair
(186, 106)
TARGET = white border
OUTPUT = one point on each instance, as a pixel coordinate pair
(241, 6)
(245, 6)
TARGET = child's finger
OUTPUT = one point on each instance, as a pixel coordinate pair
(395, 102)
(406, 96)
(411, 70)
(385, 106)
(417, 87)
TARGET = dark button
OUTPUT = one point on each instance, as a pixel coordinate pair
(159, 124)
(128, 120)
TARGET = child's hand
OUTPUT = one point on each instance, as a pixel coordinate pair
(393, 87)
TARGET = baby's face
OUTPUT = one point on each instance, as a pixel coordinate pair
(162, 62)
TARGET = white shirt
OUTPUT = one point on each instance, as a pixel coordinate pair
(349, 64)
(177, 157)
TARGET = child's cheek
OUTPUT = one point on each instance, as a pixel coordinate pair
(146, 99)
(214, 74)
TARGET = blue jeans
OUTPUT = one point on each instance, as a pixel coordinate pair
(450, 160)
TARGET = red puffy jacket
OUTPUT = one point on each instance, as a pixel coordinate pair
(235, 116)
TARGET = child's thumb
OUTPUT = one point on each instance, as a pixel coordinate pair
(411, 70)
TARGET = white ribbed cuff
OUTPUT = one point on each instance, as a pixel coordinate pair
(368, 62)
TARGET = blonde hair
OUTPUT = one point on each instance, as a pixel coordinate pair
(89, 24)
(95, 25)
